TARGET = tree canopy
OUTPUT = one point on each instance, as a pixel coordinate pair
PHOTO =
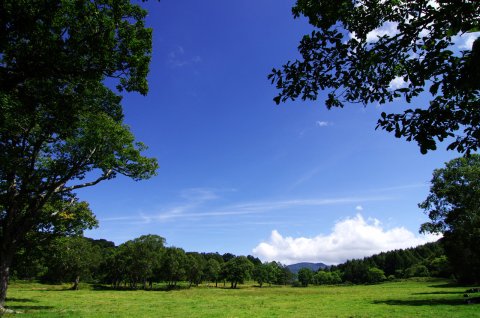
(61, 125)
(350, 54)
(453, 207)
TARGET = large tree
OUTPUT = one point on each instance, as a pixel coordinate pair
(174, 265)
(360, 48)
(60, 123)
(70, 259)
(453, 207)
(141, 258)
(237, 270)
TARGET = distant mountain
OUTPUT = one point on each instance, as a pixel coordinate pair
(294, 268)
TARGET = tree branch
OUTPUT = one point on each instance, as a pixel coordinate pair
(105, 176)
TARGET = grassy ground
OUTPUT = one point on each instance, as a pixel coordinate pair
(429, 298)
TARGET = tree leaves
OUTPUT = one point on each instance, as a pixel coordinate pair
(453, 209)
(341, 57)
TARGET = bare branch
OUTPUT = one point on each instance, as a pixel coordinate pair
(105, 176)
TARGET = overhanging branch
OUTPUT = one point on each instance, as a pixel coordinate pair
(105, 176)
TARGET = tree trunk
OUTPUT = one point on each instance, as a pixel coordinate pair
(5, 261)
(75, 283)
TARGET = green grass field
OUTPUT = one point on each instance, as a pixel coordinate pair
(413, 298)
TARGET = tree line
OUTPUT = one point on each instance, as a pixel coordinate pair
(427, 260)
(144, 262)
(140, 263)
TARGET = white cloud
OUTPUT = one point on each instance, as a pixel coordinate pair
(388, 28)
(350, 238)
(465, 41)
(397, 83)
(322, 123)
(359, 208)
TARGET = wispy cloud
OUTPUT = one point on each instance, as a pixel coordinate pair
(350, 238)
(194, 208)
(318, 124)
(321, 123)
(307, 176)
(178, 58)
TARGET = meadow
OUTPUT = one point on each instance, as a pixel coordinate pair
(408, 298)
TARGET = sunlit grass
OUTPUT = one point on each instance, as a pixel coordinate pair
(428, 298)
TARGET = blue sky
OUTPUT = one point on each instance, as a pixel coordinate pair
(239, 174)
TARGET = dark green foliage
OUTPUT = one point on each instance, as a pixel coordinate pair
(285, 276)
(213, 270)
(195, 267)
(417, 270)
(305, 276)
(237, 270)
(453, 207)
(260, 274)
(440, 267)
(355, 271)
(59, 122)
(396, 263)
(174, 265)
(227, 256)
(255, 260)
(71, 258)
(337, 56)
(141, 258)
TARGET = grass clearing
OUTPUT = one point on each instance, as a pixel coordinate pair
(411, 298)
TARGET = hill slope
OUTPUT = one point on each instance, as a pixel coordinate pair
(294, 268)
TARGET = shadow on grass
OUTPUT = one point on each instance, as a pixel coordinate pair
(441, 293)
(98, 287)
(16, 308)
(21, 300)
(421, 302)
(447, 285)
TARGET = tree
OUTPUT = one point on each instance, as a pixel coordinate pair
(285, 276)
(325, 277)
(237, 270)
(195, 268)
(453, 207)
(60, 220)
(260, 273)
(212, 271)
(351, 55)
(142, 256)
(174, 265)
(60, 123)
(440, 267)
(71, 258)
(355, 271)
(305, 276)
(375, 275)
(274, 272)
(417, 270)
